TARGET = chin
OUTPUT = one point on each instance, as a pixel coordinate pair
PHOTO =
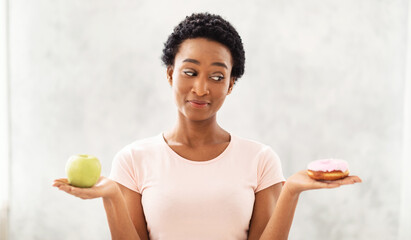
(197, 117)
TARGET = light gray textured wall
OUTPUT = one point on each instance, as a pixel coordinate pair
(323, 79)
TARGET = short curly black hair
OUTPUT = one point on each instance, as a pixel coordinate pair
(209, 26)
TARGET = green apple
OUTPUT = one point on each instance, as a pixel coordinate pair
(83, 170)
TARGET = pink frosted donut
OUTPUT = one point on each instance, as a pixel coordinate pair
(328, 169)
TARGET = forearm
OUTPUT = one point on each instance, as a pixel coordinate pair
(119, 220)
(278, 227)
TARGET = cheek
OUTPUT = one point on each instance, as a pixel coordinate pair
(180, 91)
(179, 88)
(221, 92)
(219, 97)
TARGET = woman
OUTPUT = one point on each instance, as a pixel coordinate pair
(197, 181)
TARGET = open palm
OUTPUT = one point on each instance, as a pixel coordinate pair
(300, 182)
(103, 188)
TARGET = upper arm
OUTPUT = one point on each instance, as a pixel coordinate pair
(264, 204)
(135, 209)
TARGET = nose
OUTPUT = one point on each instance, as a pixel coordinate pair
(200, 86)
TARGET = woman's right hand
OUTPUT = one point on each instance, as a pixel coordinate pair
(105, 188)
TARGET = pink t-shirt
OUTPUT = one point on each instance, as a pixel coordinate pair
(184, 199)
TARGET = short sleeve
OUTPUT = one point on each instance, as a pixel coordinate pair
(269, 171)
(123, 170)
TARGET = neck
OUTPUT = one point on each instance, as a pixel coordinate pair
(196, 133)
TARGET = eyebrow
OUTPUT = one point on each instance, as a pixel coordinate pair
(220, 64)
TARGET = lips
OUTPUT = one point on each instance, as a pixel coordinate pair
(198, 103)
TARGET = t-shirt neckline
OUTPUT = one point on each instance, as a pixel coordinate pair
(177, 156)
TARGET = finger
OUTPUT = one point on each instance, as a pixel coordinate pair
(64, 180)
(60, 181)
(65, 188)
(58, 184)
(357, 179)
(349, 180)
(345, 181)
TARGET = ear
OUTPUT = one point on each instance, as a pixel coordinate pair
(230, 87)
(170, 70)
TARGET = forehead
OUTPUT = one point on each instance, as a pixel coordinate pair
(203, 50)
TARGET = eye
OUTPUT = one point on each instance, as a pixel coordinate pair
(217, 77)
(190, 73)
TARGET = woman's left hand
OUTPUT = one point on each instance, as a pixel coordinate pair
(300, 182)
